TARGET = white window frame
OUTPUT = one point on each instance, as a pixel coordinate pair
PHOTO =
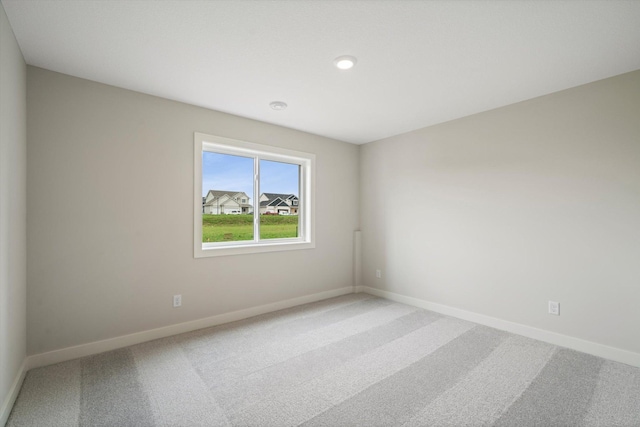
(306, 198)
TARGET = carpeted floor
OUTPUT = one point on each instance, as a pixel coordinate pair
(355, 360)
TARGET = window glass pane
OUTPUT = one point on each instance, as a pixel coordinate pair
(279, 193)
(227, 197)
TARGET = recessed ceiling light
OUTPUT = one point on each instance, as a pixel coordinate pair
(278, 105)
(345, 62)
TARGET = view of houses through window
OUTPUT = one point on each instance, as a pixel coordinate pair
(228, 206)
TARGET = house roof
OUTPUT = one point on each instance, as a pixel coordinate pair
(278, 201)
(219, 193)
(272, 196)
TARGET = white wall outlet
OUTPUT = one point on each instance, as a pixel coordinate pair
(554, 308)
(177, 300)
(378, 274)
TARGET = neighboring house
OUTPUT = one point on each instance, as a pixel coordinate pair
(279, 204)
(218, 202)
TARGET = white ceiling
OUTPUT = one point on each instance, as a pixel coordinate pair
(419, 62)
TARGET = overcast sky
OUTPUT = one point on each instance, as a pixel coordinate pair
(235, 173)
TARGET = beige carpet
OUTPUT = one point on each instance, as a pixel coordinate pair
(355, 360)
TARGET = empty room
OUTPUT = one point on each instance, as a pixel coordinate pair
(319, 213)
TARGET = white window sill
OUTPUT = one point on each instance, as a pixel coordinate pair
(212, 249)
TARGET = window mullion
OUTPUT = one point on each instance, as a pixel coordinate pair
(301, 198)
(256, 199)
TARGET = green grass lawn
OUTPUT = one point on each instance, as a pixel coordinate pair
(223, 228)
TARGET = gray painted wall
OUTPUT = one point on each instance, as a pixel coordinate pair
(510, 208)
(110, 219)
(501, 212)
(13, 199)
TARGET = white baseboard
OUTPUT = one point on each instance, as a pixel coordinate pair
(5, 409)
(69, 353)
(600, 350)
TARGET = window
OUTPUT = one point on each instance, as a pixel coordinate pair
(241, 193)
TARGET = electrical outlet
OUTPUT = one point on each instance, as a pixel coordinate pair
(177, 301)
(554, 308)
(378, 274)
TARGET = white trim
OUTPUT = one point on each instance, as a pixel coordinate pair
(10, 399)
(240, 247)
(590, 347)
(69, 353)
